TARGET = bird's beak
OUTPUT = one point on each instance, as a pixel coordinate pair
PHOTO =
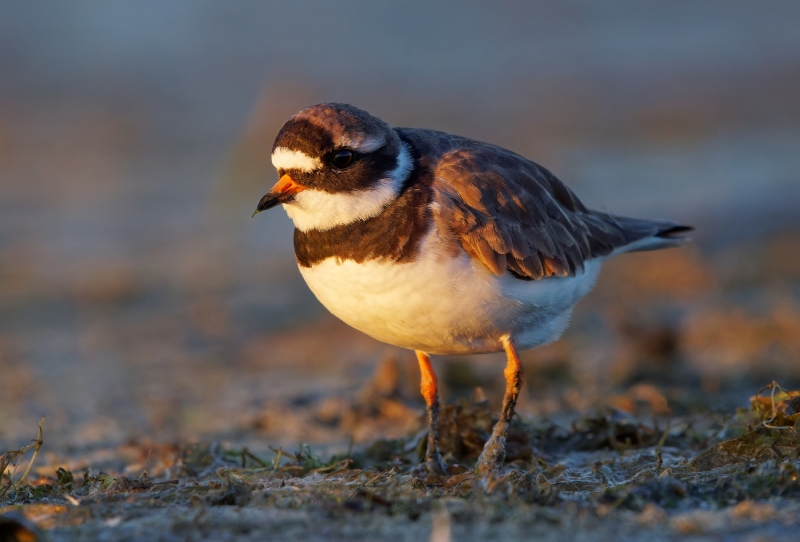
(283, 191)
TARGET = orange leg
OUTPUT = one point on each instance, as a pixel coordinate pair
(494, 451)
(429, 387)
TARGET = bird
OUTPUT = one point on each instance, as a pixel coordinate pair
(442, 244)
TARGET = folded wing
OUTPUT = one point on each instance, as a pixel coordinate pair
(513, 214)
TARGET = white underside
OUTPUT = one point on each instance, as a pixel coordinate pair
(444, 305)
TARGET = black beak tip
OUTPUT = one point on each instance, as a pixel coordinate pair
(267, 202)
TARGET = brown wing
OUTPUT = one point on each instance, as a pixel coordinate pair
(514, 214)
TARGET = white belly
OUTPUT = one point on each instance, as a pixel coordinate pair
(445, 305)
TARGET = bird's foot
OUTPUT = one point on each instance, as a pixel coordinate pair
(432, 467)
(493, 455)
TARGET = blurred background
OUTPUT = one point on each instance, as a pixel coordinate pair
(139, 301)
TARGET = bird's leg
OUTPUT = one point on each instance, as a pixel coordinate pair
(494, 451)
(430, 391)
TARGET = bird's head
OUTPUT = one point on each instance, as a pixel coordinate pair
(336, 164)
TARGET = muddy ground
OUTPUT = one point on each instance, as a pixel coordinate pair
(742, 487)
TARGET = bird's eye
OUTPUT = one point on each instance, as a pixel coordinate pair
(343, 158)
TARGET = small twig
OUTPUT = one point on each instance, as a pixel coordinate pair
(36, 444)
(280, 451)
(778, 427)
(773, 387)
(8, 458)
(659, 446)
(333, 468)
(254, 457)
(774, 412)
(376, 478)
(147, 463)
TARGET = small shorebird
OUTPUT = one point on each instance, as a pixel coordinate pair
(442, 244)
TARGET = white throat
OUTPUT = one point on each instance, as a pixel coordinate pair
(317, 210)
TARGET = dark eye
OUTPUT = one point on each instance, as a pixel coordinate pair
(343, 158)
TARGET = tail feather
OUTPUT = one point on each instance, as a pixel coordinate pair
(676, 232)
(647, 234)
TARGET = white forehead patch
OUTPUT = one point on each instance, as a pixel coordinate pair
(317, 210)
(283, 158)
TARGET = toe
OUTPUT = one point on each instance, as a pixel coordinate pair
(431, 470)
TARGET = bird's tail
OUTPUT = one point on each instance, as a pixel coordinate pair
(646, 234)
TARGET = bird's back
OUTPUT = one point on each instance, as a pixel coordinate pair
(515, 215)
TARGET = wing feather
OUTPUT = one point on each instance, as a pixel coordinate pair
(512, 214)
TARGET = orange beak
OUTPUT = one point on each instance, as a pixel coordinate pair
(283, 191)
